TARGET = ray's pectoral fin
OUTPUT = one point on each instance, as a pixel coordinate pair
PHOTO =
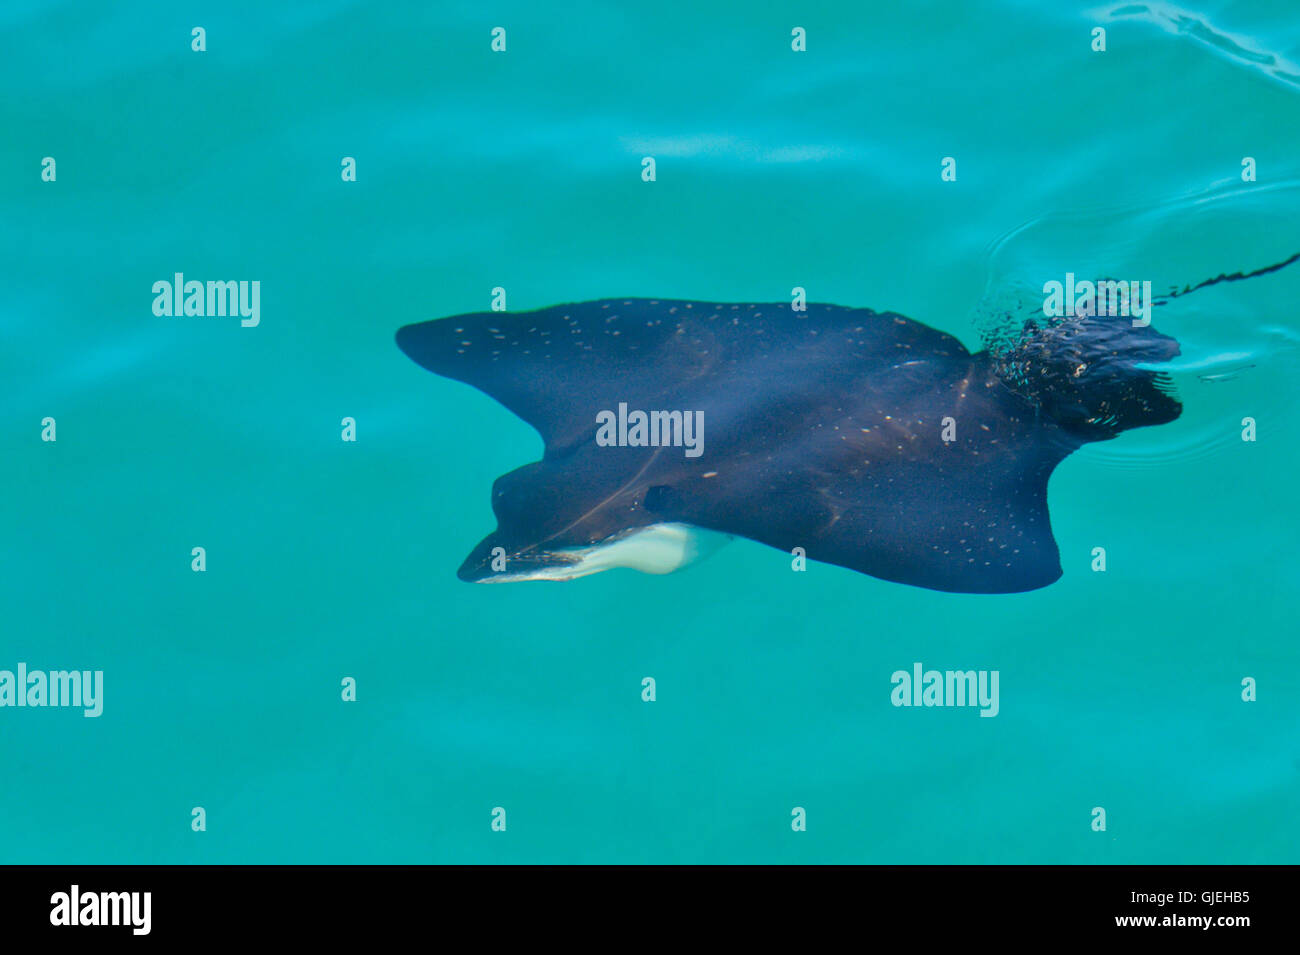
(966, 531)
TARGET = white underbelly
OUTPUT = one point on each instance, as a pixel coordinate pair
(655, 549)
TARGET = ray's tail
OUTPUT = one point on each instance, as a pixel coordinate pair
(1233, 277)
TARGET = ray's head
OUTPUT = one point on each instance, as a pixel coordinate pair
(1093, 375)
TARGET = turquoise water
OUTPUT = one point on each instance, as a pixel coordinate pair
(522, 169)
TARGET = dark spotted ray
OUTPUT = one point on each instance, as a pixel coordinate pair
(866, 438)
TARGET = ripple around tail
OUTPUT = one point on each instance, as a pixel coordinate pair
(1239, 334)
(1237, 49)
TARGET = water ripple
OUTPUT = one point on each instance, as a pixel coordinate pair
(1240, 339)
(1237, 49)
